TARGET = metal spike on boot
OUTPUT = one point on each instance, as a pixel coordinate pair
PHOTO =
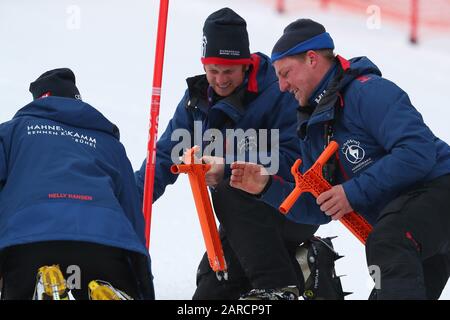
(316, 258)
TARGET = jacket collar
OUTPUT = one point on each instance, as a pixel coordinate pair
(326, 96)
(322, 87)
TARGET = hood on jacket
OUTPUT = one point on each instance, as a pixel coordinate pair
(71, 112)
(325, 96)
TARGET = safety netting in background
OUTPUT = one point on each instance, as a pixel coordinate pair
(422, 18)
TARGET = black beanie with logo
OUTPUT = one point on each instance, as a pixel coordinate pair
(225, 39)
(57, 82)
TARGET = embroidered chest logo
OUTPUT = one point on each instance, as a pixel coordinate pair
(248, 143)
(353, 152)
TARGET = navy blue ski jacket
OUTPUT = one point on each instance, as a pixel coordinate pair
(64, 175)
(385, 147)
(268, 108)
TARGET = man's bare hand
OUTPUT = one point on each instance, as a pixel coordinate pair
(187, 159)
(249, 177)
(215, 174)
(334, 202)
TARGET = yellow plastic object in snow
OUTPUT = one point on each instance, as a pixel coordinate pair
(51, 283)
(100, 290)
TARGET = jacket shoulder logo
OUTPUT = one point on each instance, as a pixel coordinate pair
(353, 151)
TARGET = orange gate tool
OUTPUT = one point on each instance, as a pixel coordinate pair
(314, 182)
(196, 173)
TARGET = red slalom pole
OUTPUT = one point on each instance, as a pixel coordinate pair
(154, 118)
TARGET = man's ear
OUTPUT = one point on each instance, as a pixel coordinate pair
(311, 57)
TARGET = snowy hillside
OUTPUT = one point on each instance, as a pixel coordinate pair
(109, 44)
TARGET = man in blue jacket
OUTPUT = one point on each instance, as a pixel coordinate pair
(390, 167)
(239, 91)
(68, 196)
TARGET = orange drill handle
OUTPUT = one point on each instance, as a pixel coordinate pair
(327, 153)
(196, 173)
(314, 182)
(315, 185)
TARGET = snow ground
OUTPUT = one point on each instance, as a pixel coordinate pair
(110, 46)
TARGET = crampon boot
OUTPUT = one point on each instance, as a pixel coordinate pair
(102, 290)
(316, 257)
(51, 285)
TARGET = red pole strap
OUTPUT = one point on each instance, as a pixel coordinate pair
(154, 117)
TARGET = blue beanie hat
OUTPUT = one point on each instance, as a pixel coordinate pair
(300, 36)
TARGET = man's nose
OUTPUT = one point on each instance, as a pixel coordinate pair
(221, 79)
(284, 85)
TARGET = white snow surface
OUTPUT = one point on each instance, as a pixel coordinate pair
(110, 46)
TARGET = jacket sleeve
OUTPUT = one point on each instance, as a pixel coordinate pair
(305, 210)
(163, 177)
(385, 112)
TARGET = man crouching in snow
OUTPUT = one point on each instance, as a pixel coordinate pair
(68, 197)
(390, 167)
